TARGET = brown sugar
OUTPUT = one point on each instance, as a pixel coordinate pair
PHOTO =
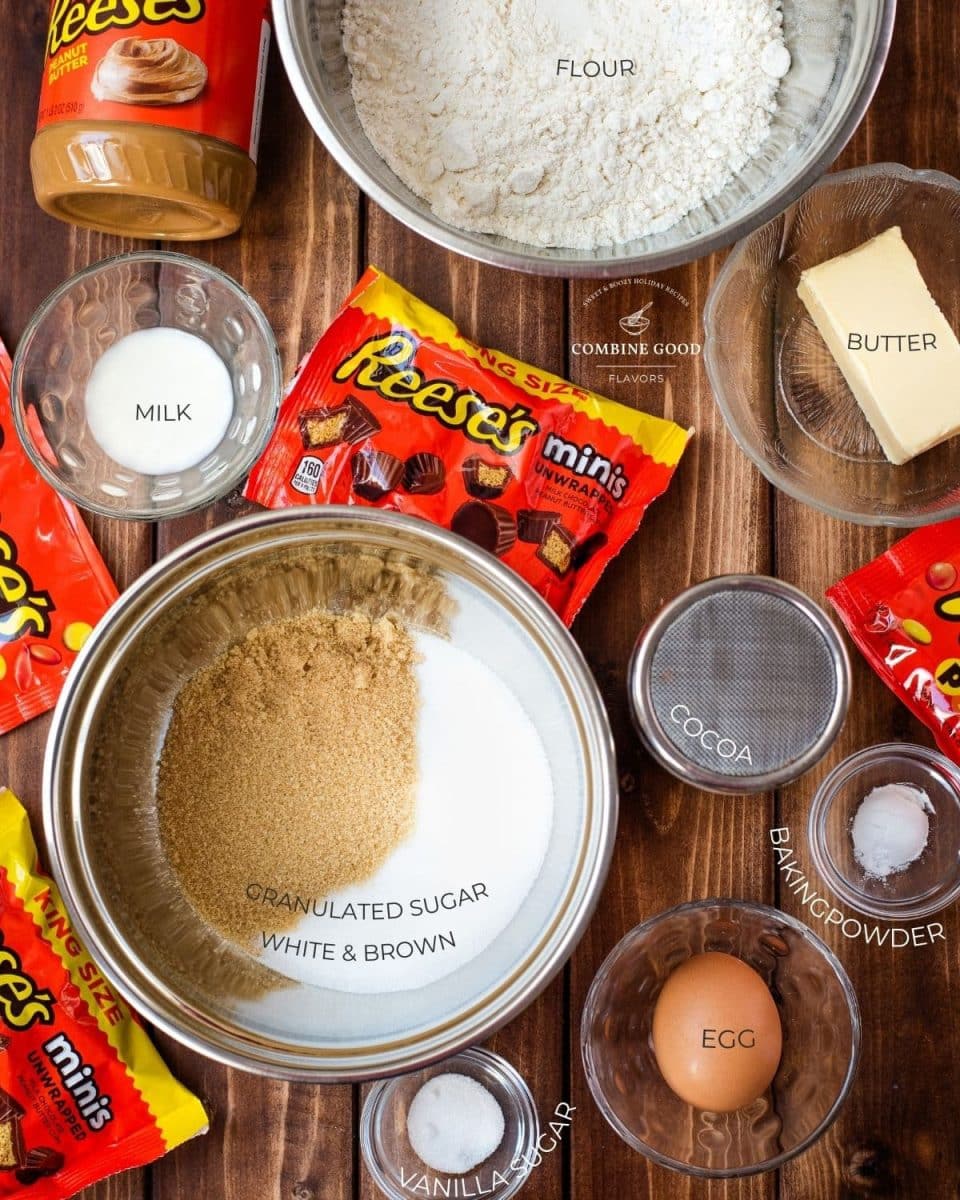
(290, 763)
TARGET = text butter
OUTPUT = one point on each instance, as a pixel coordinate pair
(895, 348)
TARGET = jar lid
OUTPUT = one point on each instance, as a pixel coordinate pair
(740, 684)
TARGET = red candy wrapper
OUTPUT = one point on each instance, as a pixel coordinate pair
(903, 611)
(395, 408)
(83, 1093)
(54, 586)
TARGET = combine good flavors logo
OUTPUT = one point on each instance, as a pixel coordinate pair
(641, 333)
(636, 324)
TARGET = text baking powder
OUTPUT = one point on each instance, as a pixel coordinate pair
(577, 123)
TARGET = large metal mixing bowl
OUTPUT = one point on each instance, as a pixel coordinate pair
(123, 893)
(839, 49)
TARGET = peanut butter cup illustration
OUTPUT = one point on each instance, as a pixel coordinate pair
(149, 71)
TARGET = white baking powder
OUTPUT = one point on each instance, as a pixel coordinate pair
(577, 123)
(891, 829)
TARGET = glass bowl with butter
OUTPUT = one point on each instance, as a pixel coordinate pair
(832, 349)
(146, 386)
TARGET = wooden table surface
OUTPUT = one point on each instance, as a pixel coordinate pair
(306, 240)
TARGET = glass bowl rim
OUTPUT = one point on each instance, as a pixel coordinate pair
(490, 1065)
(894, 170)
(273, 386)
(643, 930)
(842, 773)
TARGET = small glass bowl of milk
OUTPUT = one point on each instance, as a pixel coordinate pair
(146, 386)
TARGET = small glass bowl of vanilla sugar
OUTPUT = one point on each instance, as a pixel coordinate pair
(464, 1127)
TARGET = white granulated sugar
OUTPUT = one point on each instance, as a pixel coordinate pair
(578, 123)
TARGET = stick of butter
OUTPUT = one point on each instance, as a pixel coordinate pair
(891, 341)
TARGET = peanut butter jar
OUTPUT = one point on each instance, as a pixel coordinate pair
(150, 115)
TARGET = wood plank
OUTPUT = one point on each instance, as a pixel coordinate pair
(297, 256)
(674, 844)
(891, 1138)
(522, 316)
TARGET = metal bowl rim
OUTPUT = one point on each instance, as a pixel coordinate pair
(483, 249)
(280, 1061)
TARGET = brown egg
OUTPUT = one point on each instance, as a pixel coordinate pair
(717, 1033)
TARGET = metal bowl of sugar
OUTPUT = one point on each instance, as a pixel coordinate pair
(461, 925)
(837, 53)
(146, 386)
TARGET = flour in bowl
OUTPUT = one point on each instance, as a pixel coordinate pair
(577, 123)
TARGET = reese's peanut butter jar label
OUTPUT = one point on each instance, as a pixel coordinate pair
(192, 65)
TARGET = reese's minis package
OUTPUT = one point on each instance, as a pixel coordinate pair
(903, 611)
(394, 407)
(54, 586)
(83, 1093)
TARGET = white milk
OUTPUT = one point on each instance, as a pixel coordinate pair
(159, 401)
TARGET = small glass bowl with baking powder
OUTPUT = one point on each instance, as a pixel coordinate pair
(393, 1163)
(925, 886)
(146, 434)
(818, 1012)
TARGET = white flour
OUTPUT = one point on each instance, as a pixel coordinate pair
(577, 123)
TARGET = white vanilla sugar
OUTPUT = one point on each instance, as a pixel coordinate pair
(484, 817)
(454, 1124)
(891, 829)
(159, 401)
(577, 123)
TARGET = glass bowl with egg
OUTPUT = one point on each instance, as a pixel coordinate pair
(884, 831)
(721, 1038)
(831, 346)
(466, 1126)
(146, 386)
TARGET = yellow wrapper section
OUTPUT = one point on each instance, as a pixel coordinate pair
(177, 1113)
